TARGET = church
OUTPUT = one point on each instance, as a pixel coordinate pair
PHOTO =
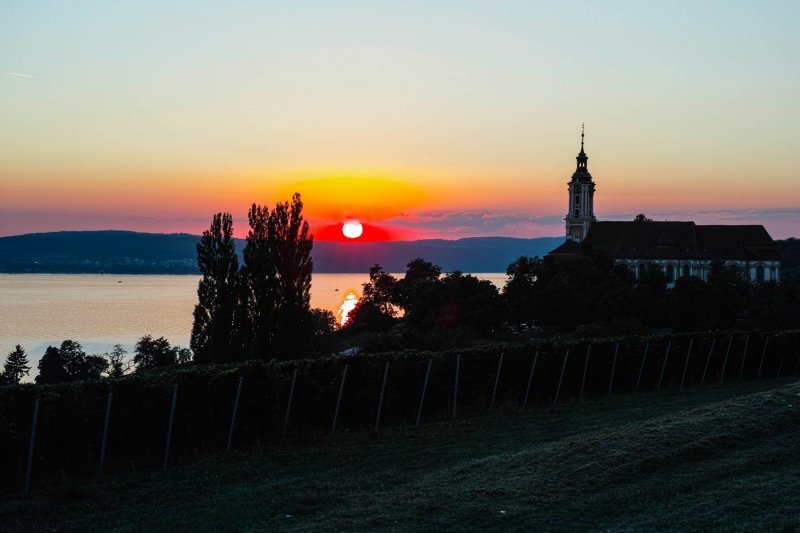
(679, 248)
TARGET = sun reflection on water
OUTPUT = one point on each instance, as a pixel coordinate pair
(347, 305)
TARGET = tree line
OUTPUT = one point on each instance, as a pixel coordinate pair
(69, 362)
(586, 295)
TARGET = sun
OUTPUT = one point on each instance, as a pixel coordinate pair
(352, 229)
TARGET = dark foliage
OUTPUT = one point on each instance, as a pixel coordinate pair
(69, 363)
(15, 367)
(215, 335)
(277, 282)
(154, 353)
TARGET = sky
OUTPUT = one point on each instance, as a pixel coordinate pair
(420, 119)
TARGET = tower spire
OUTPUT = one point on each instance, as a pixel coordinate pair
(581, 137)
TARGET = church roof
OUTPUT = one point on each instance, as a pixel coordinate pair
(679, 240)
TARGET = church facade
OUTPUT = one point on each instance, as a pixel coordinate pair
(679, 248)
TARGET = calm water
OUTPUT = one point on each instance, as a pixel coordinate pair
(99, 311)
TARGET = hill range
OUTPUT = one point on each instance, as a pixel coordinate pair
(126, 252)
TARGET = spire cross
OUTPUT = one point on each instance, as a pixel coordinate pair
(581, 136)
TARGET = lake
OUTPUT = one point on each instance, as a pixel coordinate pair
(38, 310)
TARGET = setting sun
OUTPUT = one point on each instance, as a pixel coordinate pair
(352, 229)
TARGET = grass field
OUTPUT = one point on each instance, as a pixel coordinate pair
(718, 458)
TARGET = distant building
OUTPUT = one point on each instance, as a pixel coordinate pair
(679, 248)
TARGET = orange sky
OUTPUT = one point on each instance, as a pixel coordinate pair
(448, 120)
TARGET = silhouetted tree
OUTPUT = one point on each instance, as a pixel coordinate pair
(118, 364)
(51, 368)
(259, 284)
(519, 290)
(277, 281)
(214, 334)
(469, 302)
(293, 265)
(690, 305)
(154, 353)
(69, 363)
(323, 321)
(419, 274)
(642, 218)
(16, 366)
(375, 309)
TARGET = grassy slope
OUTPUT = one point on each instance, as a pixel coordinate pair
(721, 458)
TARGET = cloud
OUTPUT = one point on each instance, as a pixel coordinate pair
(22, 75)
(480, 223)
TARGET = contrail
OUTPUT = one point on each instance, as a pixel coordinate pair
(22, 75)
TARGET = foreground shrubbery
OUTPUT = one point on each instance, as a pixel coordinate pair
(71, 415)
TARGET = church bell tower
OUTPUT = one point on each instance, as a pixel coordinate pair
(581, 199)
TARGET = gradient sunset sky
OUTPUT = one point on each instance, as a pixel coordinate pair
(423, 119)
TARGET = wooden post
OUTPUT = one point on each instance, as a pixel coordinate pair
(744, 355)
(530, 380)
(455, 389)
(725, 361)
(339, 401)
(561, 379)
(708, 360)
(585, 370)
(613, 369)
(763, 354)
(664, 365)
(289, 405)
(686, 364)
(497, 377)
(424, 390)
(233, 415)
(29, 468)
(104, 440)
(380, 399)
(641, 367)
(171, 421)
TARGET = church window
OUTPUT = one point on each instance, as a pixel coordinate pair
(773, 274)
(760, 274)
(577, 198)
(687, 271)
(577, 210)
(671, 272)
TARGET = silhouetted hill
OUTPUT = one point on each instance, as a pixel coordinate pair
(126, 252)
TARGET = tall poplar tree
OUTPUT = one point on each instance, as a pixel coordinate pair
(293, 242)
(277, 280)
(259, 284)
(16, 366)
(214, 333)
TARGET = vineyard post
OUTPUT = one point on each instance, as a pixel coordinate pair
(233, 414)
(289, 405)
(613, 369)
(530, 380)
(744, 355)
(339, 401)
(585, 369)
(497, 377)
(641, 367)
(104, 440)
(424, 390)
(708, 361)
(561, 379)
(686, 364)
(664, 365)
(725, 362)
(763, 354)
(171, 421)
(380, 398)
(29, 468)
